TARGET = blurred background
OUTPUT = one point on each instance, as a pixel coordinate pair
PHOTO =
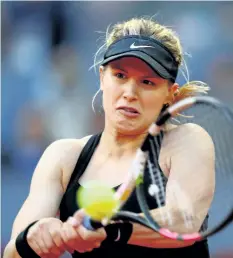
(47, 88)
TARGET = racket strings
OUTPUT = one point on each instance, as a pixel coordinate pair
(155, 170)
(157, 184)
(157, 189)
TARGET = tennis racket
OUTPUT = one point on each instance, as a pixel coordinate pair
(216, 119)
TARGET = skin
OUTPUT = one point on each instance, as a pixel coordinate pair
(128, 82)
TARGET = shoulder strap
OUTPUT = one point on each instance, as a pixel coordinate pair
(84, 158)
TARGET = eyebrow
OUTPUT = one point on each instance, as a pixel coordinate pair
(152, 74)
(117, 65)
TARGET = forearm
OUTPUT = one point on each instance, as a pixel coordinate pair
(143, 236)
(164, 216)
(10, 250)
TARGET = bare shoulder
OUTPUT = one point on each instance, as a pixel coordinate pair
(68, 151)
(186, 133)
(66, 147)
(58, 160)
(187, 139)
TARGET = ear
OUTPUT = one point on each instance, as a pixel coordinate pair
(101, 72)
(173, 90)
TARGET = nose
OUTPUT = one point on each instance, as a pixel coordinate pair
(130, 91)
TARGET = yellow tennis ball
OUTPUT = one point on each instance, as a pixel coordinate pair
(97, 199)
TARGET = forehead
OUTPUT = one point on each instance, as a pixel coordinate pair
(134, 64)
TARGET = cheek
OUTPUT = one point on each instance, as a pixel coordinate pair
(111, 94)
(153, 101)
(107, 101)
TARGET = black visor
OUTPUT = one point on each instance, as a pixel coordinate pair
(151, 51)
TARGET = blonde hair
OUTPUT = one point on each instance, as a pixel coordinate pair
(150, 28)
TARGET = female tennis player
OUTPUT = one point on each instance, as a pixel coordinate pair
(137, 79)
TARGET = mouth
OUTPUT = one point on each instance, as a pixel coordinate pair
(129, 111)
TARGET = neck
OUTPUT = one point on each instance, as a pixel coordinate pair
(117, 145)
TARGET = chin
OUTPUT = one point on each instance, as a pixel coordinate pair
(130, 129)
(129, 126)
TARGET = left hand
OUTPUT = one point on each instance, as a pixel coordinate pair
(78, 238)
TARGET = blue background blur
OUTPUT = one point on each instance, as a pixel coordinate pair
(47, 88)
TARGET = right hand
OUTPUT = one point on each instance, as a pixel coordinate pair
(44, 237)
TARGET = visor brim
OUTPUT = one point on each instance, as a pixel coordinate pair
(156, 66)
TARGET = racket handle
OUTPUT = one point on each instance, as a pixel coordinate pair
(90, 224)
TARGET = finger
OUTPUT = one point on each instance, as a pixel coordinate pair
(81, 251)
(78, 243)
(57, 239)
(69, 236)
(88, 235)
(35, 247)
(68, 245)
(35, 238)
(88, 247)
(83, 233)
(79, 215)
(74, 222)
(101, 232)
(40, 241)
(32, 236)
(97, 244)
(50, 256)
(40, 238)
(70, 233)
(50, 244)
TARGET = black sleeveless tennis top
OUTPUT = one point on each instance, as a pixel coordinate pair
(69, 206)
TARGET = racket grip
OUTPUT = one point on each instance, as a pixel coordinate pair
(90, 224)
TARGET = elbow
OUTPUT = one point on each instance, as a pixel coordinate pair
(7, 252)
(10, 251)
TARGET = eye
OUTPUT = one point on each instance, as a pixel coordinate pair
(120, 75)
(147, 82)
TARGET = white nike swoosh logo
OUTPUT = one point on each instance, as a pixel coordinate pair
(132, 46)
(118, 236)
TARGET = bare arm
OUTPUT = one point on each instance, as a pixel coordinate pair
(45, 193)
(189, 190)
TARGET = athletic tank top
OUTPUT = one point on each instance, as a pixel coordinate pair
(69, 206)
